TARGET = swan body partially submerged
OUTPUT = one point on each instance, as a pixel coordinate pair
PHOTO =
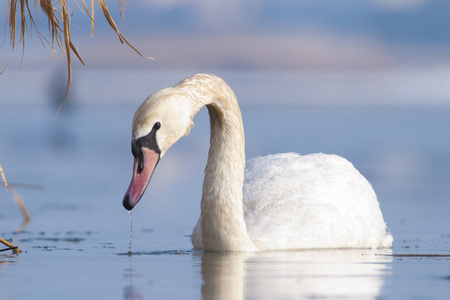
(287, 201)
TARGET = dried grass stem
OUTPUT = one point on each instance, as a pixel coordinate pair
(59, 34)
(4, 178)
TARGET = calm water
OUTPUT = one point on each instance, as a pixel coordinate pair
(79, 165)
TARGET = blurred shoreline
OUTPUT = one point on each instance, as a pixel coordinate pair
(412, 86)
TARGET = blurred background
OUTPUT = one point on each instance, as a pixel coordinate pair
(388, 44)
(367, 80)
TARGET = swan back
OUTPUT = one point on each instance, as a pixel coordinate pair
(312, 201)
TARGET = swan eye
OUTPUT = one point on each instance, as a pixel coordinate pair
(157, 126)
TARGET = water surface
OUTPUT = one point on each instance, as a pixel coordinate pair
(79, 163)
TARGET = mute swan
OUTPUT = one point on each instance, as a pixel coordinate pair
(288, 201)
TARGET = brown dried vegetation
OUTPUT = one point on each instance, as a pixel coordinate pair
(10, 246)
(57, 13)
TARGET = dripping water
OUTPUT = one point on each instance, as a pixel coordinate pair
(131, 230)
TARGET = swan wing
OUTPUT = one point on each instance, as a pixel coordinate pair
(312, 201)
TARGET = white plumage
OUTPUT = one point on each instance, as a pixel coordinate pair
(283, 201)
(311, 201)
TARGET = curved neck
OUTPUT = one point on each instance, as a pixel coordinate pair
(222, 217)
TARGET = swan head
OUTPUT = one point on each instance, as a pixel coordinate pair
(160, 121)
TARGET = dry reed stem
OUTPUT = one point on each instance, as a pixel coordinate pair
(57, 32)
(4, 178)
(92, 18)
(114, 26)
(23, 209)
(10, 246)
(6, 243)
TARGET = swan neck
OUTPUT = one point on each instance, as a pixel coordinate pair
(222, 216)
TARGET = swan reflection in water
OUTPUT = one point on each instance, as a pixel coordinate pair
(346, 273)
(286, 275)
